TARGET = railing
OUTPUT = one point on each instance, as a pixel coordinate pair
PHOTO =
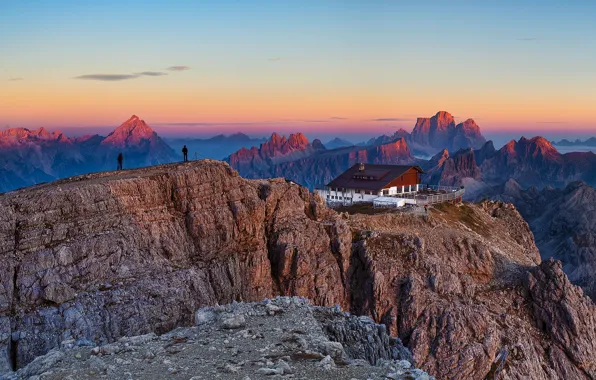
(447, 193)
(430, 199)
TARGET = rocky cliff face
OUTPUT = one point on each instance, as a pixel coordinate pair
(460, 286)
(125, 253)
(447, 170)
(102, 256)
(564, 223)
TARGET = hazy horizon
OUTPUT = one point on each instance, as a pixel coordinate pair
(164, 131)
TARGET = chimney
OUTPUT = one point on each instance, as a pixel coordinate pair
(361, 167)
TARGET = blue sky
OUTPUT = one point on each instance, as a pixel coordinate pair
(511, 65)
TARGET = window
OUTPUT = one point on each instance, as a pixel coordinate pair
(327, 196)
(385, 192)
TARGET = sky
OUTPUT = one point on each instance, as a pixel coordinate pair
(347, 68)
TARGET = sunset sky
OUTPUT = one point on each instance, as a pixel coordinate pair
(351, 67)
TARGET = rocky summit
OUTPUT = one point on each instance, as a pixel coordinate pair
(285, 338)
(95, 258)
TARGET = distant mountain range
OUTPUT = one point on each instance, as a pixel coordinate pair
(217, 147)
(436, 133)
(314, 165)
(32, 156)
(338, 143)
(591, 142)
(311, 164)
(530, 162)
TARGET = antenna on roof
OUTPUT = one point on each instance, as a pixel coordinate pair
(361, 167)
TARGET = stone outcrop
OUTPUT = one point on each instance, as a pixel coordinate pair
(102, 256)
(281, 338)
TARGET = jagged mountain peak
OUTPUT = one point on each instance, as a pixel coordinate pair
(32, 134)
(131, 132)
(298, 140)
(468, 124)
(536, 147)
(443, 115)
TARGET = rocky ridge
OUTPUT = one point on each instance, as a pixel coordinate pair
(281, 338)
(115, 254)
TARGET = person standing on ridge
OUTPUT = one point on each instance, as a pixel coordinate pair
(185, 153)
(120, 159)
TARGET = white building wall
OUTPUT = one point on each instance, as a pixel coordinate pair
(349, 196)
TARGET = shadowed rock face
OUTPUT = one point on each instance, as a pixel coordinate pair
(564, 223)
(126, 253)
(113, 254)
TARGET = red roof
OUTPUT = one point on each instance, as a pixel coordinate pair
(373, 177)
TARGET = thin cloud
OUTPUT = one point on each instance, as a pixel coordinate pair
(119, 77)
(338, 118)
(152, 73)
(15, 79)
(107, 77)
(178, 68)
(392, 119)
(527, 39)
(274, 59)
(550, 122)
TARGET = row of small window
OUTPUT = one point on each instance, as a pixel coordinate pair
(361, 192)
(336, 197)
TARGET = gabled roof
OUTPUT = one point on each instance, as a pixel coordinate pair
(382, 175)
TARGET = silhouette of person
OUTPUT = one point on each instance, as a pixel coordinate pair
(120, 159)
(185, 153)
